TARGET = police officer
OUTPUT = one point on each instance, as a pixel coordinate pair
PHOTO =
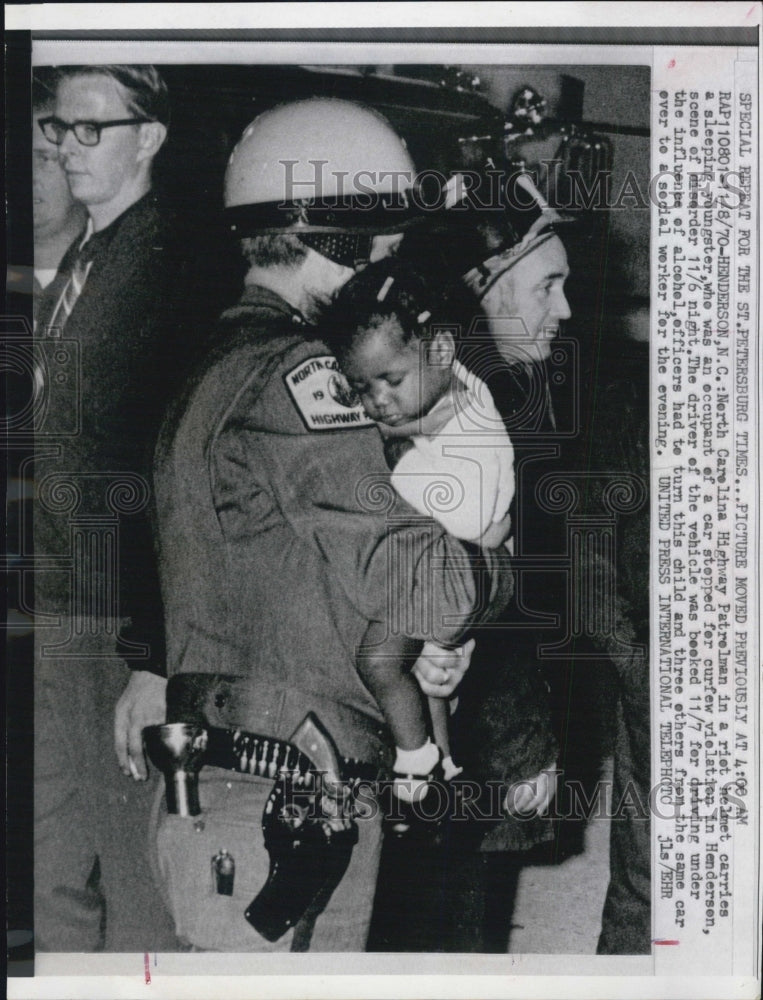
(278, 542)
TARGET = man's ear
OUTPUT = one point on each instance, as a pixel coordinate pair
(442, 349)
(151, 139)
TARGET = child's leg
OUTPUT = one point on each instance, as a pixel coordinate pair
(384, 664)
(439, 713)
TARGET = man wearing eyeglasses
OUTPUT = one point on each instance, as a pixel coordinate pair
(110, 310)
(107, 138)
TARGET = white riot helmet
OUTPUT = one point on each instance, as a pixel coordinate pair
(332, 172)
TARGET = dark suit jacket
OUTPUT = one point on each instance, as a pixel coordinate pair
(121, 361)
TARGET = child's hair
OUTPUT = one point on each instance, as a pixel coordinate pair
(386, 289)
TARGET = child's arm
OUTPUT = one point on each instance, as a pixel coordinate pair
(384, 663)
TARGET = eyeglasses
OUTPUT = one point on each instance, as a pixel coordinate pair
(86, 133)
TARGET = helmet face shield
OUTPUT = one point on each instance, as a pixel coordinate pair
(348, 249)
(370, 215)
(321, 167)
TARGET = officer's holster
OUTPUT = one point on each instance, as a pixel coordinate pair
(308, 825)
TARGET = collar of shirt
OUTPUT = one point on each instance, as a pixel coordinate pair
(45, 275)
(86, 236)
(259, 297)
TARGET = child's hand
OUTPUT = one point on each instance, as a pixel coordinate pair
(534, 796)
(440, 670)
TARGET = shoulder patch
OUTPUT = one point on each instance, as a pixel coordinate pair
(322, 396)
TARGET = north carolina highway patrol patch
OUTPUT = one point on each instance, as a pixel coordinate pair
(324, 399)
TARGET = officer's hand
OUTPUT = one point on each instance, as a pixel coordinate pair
(527, 798)
(439, 671)
(142, 703)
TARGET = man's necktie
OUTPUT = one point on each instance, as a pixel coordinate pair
(71, 292)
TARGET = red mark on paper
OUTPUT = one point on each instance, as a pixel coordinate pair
(750, 11)
(147, 968)
(664, 941)
(671, 64)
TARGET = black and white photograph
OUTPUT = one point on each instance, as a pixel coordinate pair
(382, 538)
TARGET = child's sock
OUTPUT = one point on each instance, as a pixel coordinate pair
(411, 768)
